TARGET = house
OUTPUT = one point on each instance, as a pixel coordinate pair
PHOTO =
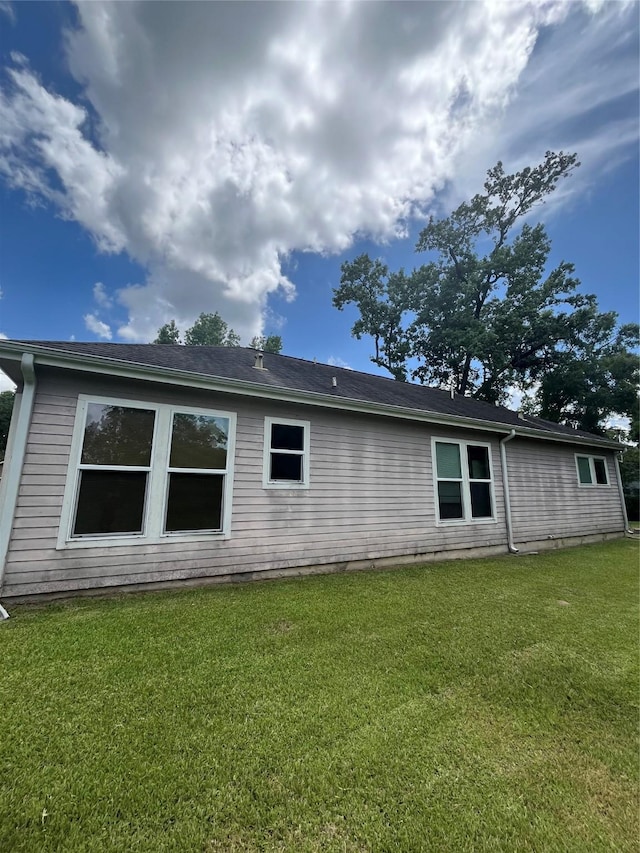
(141, 466)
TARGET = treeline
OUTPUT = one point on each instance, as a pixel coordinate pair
(211, 330)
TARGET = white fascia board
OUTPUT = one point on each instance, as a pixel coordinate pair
(171, 376)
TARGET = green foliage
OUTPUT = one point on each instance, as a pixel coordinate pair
(211, 330)
(268, 343)
(481, 705)
(6, 408)
(208, 330)
(485, 315)
(168, 334)
(595, 376)
(382, 300)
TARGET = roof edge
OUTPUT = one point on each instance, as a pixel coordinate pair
(90, 363)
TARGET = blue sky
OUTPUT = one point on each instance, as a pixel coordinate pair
(162, 159)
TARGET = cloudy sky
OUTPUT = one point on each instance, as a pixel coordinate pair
(162, 159)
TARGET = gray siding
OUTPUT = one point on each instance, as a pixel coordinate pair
(546, 500)
(371, 497)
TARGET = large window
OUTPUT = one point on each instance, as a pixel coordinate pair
(592, 470)
(286, 454)
(147, 471)
(463, 481)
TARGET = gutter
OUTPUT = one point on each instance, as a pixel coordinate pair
(172, 376)
(14, 461)
(625, 517)
(505, 490)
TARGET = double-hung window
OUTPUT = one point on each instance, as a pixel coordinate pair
(463, 481)
(114, 470)
(592, 470)
(141, 472)
(286, 454)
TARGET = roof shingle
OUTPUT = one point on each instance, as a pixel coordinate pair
(296, 374)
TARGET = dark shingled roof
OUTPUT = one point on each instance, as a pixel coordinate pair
(285, 372)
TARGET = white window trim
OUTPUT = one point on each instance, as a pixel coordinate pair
(157, 487)
(592, 469)
(305, 453)
(466, 491)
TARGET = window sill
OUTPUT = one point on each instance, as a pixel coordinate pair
(284, 485)
(457, 522)
(125, 541)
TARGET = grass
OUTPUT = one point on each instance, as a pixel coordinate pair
(477, 705)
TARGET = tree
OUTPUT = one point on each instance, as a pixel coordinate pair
(270, 343)
(211, 330)
(168, 334)
(208, 330)
(485, 315)
(6, 408)
(595, 376)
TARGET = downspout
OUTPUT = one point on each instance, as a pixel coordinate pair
(627, 528)
(14, 462)
(505, 491)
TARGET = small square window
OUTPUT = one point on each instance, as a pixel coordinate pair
(286, 454)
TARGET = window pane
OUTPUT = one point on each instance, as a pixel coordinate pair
(110, 502)
(199, 441)
(450, 500)
(601, 471)
(194, 502)
(448, 460)
(286, 466)
(287, 437)
(584, 470)
(480, 500)
(478, 458)
(117, 435)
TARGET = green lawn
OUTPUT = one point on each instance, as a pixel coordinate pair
(475, 705)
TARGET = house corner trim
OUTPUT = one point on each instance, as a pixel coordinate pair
(16, 450)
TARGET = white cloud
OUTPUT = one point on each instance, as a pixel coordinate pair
(7, 9)
(217, 138)
(334, 361)
(100, 295)
(618, 422)
(97, 327)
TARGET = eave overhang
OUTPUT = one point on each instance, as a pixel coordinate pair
(89, 363)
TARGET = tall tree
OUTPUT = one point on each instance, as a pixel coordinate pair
(470, 320)
(208, 330)
(168, 334)
(596, 375)
(211, 330)
(485, 314)
(268, 343)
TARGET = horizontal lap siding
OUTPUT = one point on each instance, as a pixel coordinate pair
(546, 500)
(371, 497)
